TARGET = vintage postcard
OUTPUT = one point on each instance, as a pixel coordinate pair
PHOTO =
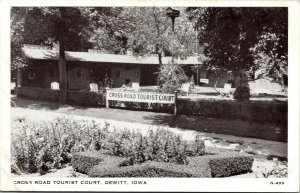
(149, 96)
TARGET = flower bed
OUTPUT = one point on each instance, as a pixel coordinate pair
(39, 147)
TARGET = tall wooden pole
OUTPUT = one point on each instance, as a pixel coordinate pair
(62, 59)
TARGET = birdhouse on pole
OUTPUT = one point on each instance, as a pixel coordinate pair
(172, 13)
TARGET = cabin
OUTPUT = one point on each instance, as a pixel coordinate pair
(105, 69)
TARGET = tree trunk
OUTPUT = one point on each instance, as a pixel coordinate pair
(19, 78)
(62, 58)
(62, 72)
(217, 81)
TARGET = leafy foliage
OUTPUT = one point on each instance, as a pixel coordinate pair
(149, 31)
(17, 38)
(239, 38)
(43, 146)
(229, 165)
(171, 76)
(268, 59)
(106, 28)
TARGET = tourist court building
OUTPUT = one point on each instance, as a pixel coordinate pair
(94, 66)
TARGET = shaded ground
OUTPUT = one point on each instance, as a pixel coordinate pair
(211, 126)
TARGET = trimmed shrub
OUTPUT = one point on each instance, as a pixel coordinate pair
(149, 169)
(223, 163)
(76, 97)
(84, 161)
(273, 112)
(86, 98)
(218, 163)
(36, 93)
(230, 165)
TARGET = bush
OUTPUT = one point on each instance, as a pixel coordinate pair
(171, 76)
(44, 146)
(159, 145)
(36, 93)
(274, 112)
(47, 145)
(84, 161)
(86, 98)
(227, 166)
(149, 169)
(218, 163)
(76, 97)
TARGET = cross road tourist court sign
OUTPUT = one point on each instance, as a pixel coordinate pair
(144, 97)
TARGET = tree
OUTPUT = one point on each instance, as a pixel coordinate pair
(149, 31)
(232, 37)
(106, 28)
(17, 37)
(48, 25)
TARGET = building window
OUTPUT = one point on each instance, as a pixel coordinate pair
(79, 73)
(118, 73)
(31, 75)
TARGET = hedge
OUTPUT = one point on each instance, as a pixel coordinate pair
(150, 169)
(86, 98)
(217, 163)
(274, 112)
(76, 97)
(227, 166)
(84, 161)
(36, 93)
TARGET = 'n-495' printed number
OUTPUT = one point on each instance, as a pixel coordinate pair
(276, 183)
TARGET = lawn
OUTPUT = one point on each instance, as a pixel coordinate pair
(211, 126)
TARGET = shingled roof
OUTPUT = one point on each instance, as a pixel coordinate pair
(47, 54)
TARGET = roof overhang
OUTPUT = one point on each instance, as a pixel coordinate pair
(43, 54)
